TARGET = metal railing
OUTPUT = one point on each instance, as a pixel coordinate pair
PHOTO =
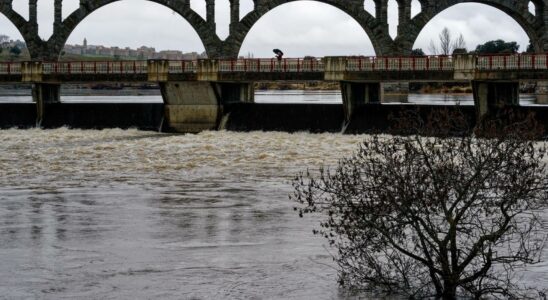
(10, 68)
(272, 65)
(182, 66)
(95, 67)
(512, 62)
(418, 63)
(298, 65)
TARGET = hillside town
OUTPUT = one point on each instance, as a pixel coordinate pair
(17, 49)
(142, 52)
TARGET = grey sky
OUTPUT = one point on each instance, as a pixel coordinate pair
(299, 28)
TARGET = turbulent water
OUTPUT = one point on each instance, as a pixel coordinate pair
(274, 96)
(130, 214)
(125, 214)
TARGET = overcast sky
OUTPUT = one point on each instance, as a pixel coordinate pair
(298, 28)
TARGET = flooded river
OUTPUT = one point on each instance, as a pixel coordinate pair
(126, 214)
(118, 214)
(271, 96)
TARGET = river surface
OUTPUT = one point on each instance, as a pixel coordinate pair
(271, 96)
(127, 214)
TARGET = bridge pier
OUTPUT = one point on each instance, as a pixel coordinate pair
(192, 107)
(542, 92)
(44, 94)
(489, 95)
(232, 92)
(395, 92)
(357, 94)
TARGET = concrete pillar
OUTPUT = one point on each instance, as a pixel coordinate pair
(232, 92)
(208, 70)
(158, 70)
(541, 92)
(195, 106)
(190, 106)
(356, 94)
(234, 15)
(44, 94)
(335, 68)
(493, 95)
(395, 92)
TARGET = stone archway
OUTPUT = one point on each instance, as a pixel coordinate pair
(202, 27)
(534, 26)
(295, 27)
(28, 31)
(375, 28)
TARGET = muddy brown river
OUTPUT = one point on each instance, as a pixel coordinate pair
(127, 214)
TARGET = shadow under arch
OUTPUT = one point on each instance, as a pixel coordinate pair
(199, 25)
(527, 21)
(381, 41)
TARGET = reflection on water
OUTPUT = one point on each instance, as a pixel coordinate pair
(129, 214)
(287, 96)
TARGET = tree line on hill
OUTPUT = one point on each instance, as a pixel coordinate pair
(13, 48)
(448, 45)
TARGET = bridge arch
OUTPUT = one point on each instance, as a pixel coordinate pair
(138, 23)
(20, 23)
(531, 24)
(10, 30)
(375, 30)
(347, 38)
(200, 26)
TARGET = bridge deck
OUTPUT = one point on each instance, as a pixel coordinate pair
(425, 68)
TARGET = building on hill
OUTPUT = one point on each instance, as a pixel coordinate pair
(142, 52)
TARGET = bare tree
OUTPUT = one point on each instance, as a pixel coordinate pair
(4, 38)
(434, 216)
(432, 48)
(459, 43)
(446, 43)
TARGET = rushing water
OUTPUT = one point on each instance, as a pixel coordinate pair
(292, 96)
(130, 214)
(125, 214)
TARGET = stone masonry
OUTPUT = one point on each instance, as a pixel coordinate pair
(376, 26)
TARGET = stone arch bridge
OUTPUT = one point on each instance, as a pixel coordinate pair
(376, 26)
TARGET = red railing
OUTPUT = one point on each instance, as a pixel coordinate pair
(95, 67)
(10, 68)
(512, 62)
(412, 63)
(271, 65)
(182, 66)
(353, 64)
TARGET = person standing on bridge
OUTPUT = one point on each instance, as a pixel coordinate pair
(279, 54)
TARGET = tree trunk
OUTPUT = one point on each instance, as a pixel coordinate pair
(449, 291)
